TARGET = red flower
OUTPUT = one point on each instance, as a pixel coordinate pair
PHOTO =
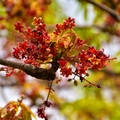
(39, 47)
(66, 71)
(19, 27)
(67, 24)
(41, 113)
(62, 63)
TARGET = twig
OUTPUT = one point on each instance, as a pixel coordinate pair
(112, 12)
(111, 73)
(50, 89)
(92, 84)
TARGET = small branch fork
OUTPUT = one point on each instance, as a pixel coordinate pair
(83, 79)
(91, 84)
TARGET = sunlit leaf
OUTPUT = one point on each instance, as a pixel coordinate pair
(16, 111)
(28, 111)
(10, 108)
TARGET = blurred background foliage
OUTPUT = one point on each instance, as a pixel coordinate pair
(93, 24)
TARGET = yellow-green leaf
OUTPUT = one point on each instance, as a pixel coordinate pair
(25, 108)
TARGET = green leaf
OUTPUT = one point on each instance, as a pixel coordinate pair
(27, 113)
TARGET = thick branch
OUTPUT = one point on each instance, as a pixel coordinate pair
(112, 12)
(39, 73)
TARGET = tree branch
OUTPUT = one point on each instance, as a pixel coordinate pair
(36, 72)
(111, 73)
(52, 27)
(102, 28)
(112, 12)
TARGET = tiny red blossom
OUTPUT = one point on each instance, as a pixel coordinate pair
(66, 71)
(67, 24)
(41, 113)
(62, 63)
(19, 27)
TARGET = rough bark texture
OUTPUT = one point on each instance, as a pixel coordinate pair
(36, 72)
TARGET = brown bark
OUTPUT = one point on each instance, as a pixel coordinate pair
(36, 72)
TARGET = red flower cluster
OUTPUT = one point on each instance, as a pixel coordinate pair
(61, 47)
(41, 110)
(89, 60)
(65, 69)
(19, 27)
(66, 25)
(41, 113)
(39, 46)
(36, 46)
(66, 48)
(9, 71)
